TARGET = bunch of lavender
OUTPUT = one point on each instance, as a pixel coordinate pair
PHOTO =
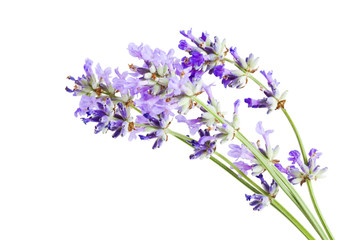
(143, 101)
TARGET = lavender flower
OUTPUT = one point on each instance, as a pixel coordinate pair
(193, 124)
(271, 189)
(90, 84)
(205, 146)
(249, 64)
(108, 118)
(258, 201)
(230, 78)
(204, 56)
(273, 100)
(304, 172)
(241, 152)
(269, 152)
(227, 130)
(158, 125)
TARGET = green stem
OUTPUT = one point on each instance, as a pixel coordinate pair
(291, 218)
(309, 183)
(322, 219)
(302, 148)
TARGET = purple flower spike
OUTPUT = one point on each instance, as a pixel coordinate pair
(273, 84)
(258, 201)
(260, 103)
(304, 172)
(205, 55)
(272, 189)
(205, 146)
(158, 123)
(249, 64)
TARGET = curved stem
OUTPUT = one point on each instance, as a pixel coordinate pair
(291, 218)
(322, 220)
(302, 148)
(309, 183)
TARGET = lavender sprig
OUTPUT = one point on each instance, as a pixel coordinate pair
(165, 87)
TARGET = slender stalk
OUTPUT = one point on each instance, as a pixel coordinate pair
(302, 148)
(322, 219)
(291, 218)
(309, 183)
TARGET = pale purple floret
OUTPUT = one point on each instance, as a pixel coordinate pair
(233, 79)
(158, 123)
(265, 134)
(244, 167)
(193, 124)
(242, 152)
(205, 146)
(258, 201)
(236, 106)
(88, 67)
(155, 105)
(121, 83)
(135, 50)
(103, 74)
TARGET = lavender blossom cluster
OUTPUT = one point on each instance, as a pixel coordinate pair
(143, 101)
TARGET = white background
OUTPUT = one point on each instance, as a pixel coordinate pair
(60, 181)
